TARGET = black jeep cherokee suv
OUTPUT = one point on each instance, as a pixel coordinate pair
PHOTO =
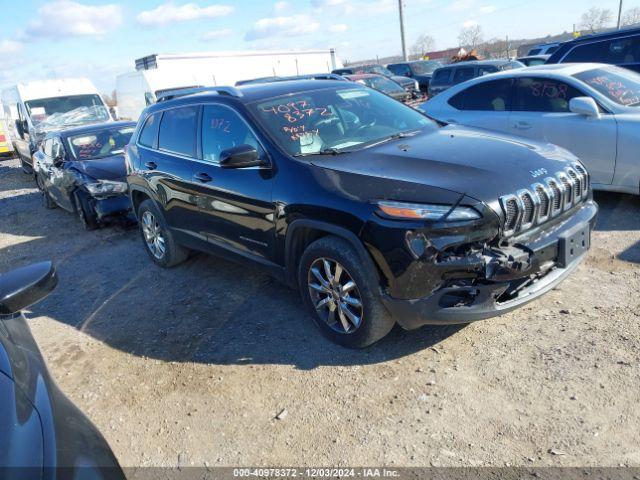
(375, 212)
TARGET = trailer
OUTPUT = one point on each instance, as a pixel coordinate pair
(155, 74)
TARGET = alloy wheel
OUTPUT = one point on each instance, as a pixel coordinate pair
(153, 235)
(335, 295)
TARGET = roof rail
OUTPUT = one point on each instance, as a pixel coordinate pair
(183, 92)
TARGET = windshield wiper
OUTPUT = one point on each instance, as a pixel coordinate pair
(395, 136)
(325, 151)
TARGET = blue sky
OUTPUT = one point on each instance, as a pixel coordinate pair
(101, 38)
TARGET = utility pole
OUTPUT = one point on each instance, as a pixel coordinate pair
(402, 39)
(619, 14)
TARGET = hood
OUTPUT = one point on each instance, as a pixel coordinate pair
(108, 168)
(464, 160)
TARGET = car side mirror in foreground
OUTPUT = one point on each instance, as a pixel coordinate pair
(22, 287)
(242, 156)
(586, 106)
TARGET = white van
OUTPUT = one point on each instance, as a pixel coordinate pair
(32, 109)
(157, 73)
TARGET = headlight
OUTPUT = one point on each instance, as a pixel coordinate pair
(106, 187)
(421, 211)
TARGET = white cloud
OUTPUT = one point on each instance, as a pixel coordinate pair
(280, 6)
(215, 34)
(326, 3)
(10, 47)
(170, 12)
(282, 27)
(338, 28)
(66, 18)
(487, 9)
(469, 23)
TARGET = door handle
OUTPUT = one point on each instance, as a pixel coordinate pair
(522, 126)
(151, 165)
(203, 177)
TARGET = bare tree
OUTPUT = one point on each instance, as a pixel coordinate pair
(494, 48)
(631, 16)
(596, 19)
(470, 36)
(423, 44)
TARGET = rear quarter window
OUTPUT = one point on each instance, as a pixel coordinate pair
(463, 74)
(149, 131)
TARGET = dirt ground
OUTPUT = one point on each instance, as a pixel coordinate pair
(191, 366)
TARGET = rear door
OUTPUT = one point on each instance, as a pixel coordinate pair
(166, 163)
(236, 207)
(541, 112)
(483, 105)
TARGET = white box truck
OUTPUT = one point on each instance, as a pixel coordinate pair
(33, 109)
(157, 73)
(30, 110)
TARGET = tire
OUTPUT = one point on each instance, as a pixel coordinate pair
(47, 201)
(375, 322)
(162, 248)
(85, 212)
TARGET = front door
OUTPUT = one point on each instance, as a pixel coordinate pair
(22, 141)
(236, 205)
(541, 112)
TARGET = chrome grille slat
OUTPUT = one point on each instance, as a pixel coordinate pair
(545, 199)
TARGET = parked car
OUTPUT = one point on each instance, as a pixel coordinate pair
(446, 77)
(33, 109)
(382, 84)
(419, 70)
(82, 170)
(42, 434)
(376, 213)
(409, 84)
(533, 60)
(620, 47)
(593, 110)
(543, 49)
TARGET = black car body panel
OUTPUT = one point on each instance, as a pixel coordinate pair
(268, 214)
(455, 73)
(42, 434)
(63, 177)
(618, 47)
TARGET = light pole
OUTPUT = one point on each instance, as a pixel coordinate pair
(619, 14)
(402, 39)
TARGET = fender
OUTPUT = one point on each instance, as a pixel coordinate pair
(349, 236)
(135, 187)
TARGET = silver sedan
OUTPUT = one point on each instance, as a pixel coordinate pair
(592, 110)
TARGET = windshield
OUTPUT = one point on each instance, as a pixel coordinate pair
(379, 69)
(383, 84)
(420, 68)
(60, 111)
(619, 85)
(100, 144)
(334, 120)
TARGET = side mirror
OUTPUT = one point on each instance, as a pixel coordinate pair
(25, 286)
(242, 156)
(586, 106)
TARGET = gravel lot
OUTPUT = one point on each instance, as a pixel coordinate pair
(192, 365)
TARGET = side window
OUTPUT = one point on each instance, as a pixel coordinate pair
(178, 131)
(403, 70)
(590, 52)
(544, 95)
(492, 96)
(441, 76)
(222, 128)
(486, 70)
(47, 147)
(462, 74)
(149, 131)
(535, 51)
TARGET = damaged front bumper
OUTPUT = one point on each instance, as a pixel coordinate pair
(114, 206)
(499, 279)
